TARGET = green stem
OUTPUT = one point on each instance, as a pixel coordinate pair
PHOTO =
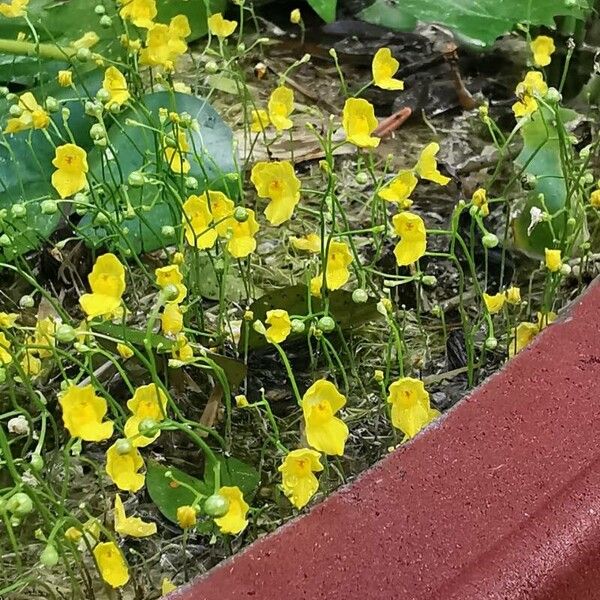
(49, 51)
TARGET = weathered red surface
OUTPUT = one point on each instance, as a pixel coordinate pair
(499, 500)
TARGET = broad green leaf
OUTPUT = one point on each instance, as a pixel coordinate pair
(26, 169)
(541, 158)
(485, 20)
(234, 472)
(325, 9)
(347, 314)
(388, 13)
(166, 494)
(209, 282)
(135, 144)
(194, 10)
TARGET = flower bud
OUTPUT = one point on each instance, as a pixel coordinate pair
(241, 214)
(429, 280)
(5, 241)
(553, 95)
(167, 231)
(216, 506)
(191, 183)
(52, 104)
(565, 269)
(148, 427)
(295, 16)
(378, 375)
(97, 131)
(186, 516)
(211, 67)
(36, 462)
(15, 111)
(99, 9)
(105, 22)
(170, 292)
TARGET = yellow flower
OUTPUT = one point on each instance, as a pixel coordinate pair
(5, 355)
(595, 199)
(542, 48)
(545, 319)
(116, 85)
(295, 16)
(513, 295)
(83, 412)
(197, 220)
(532, 85)
(241, 401)
(87, 40)
(494, 303)
(384, 68)
(8, 320)
(107, 281)
(65, 78)
(148, 402)
(111, 564)
(308, 243)
(171, 275)
(297, 474)
(525, 106)
(44, 337)
(71, 166)
(522, 335)
(324, 431)
(260, 120)
(280, 326)
(337, 274)
(33, 116)
(399, 189)
(221, 208)
(171, 320)
(187, 517)
(182, 350)
(278, 182)
(359, 122)
(413, 238)
(167, 586)
(14, 8)
(426, 167)
(242, 242)
(221, 27)
(281, 106)
(140, 12)
(411, 410)
(124, 350)
(175, 157)
(31, 364)
(123, 462)
(553, 260)
(131, 526)
(479, 199)
(165, 43)
(234, 521)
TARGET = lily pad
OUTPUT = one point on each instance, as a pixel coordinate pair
(234, 472)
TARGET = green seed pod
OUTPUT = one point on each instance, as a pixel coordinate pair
(15, 111)
(148, 427)
(65, 333)
(191, 183)
(49, 207)
(136, 179)
(123, 446)
(18, 210)
(26, 301)
(216, 506)
(362, 178)
(36, 462)
(170, 292)
(19, 504)
(489, 240)
(99, 9)
(326, 324)
(5, 241)
(105, 22)
(52, 104)
(360, 296)
(83, 54)
(241, 214)
(167, 231)
(49, 556)
(298, 326)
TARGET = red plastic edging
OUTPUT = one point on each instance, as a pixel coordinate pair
(498, 500)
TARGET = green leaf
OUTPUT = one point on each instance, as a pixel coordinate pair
(325, 9)
(347, 313)
(234, 472)
(168, 496)
(194, 10)
(541, 158)
(387, 13)
(210, 288)
(484, 20)
(135, 148)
